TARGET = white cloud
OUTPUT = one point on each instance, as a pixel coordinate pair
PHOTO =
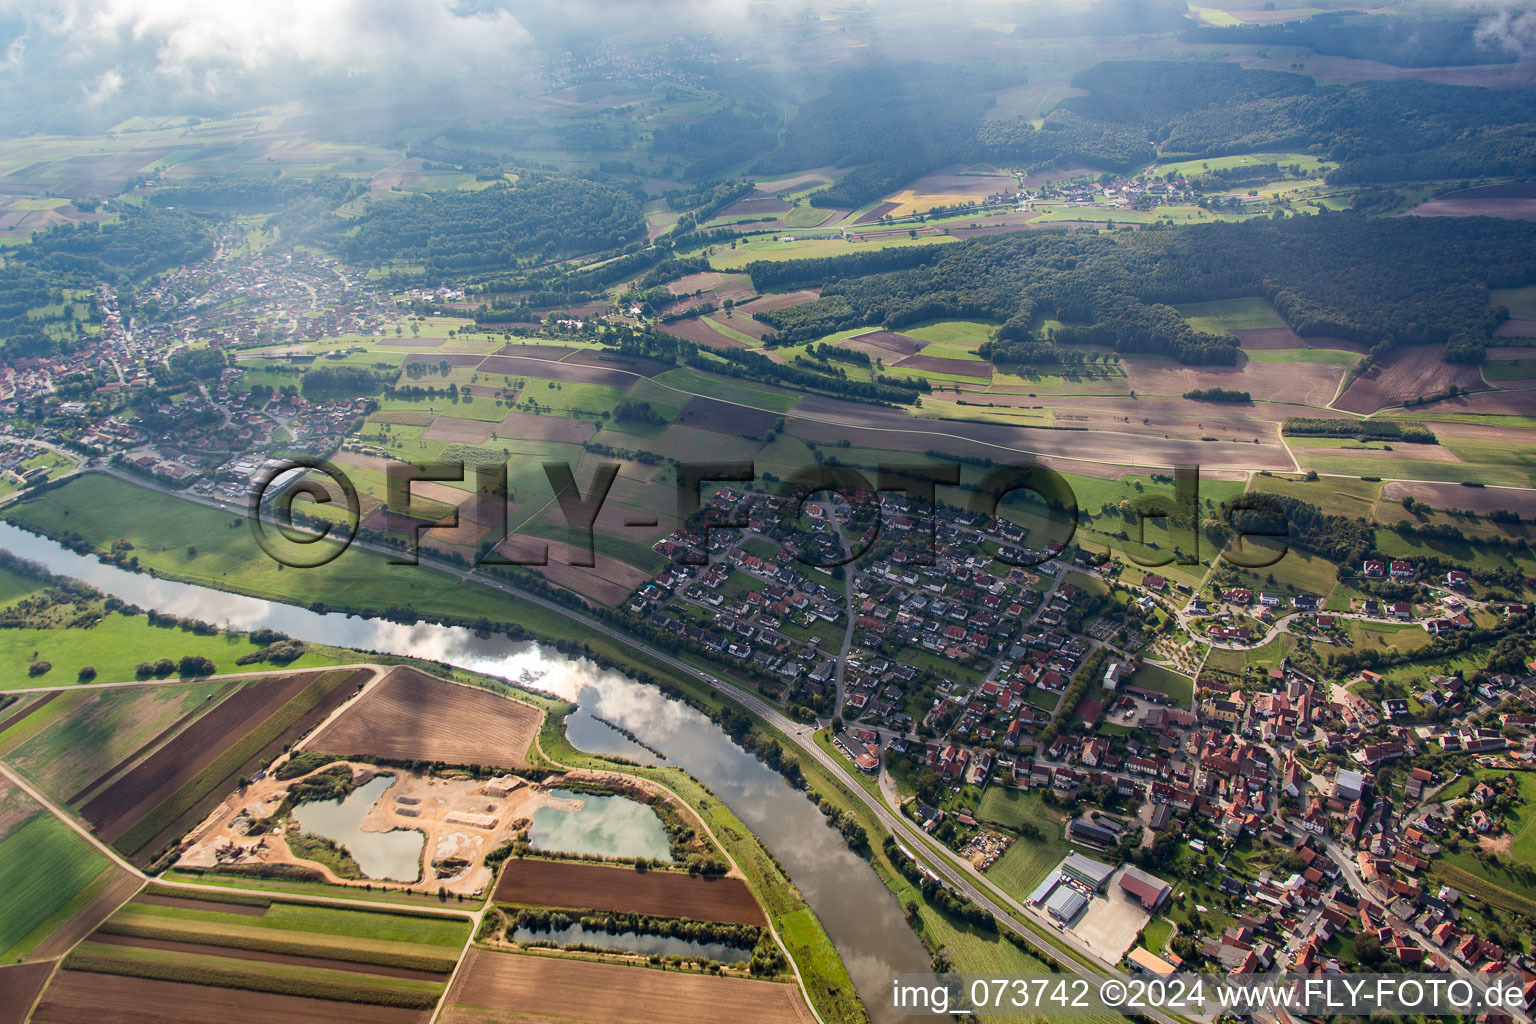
(1513, 29)
(201, 43)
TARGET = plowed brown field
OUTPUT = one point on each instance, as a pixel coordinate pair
(548, 883)
(77, 996)
(542, 988)
(409, 715)
(19, 987)
(1404, 374)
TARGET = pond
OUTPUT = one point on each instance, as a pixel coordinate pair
(608, 826)
(632, 942)
(390, 856)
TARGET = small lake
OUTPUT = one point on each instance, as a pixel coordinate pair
(608, 826)
(630, 942)
(392, 856)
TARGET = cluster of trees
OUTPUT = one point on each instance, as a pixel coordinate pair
(189, 665)
(1088, 673)
(1218, 395)
(456, 232)
(324, 383)
(633, 411)
(937, 893)
(189, 364)
(1363, 430)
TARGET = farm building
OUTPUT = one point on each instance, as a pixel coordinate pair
(1066, 903)
(1149, 963)
(1091, 833)
(1086, 870)
(1149, 889)
(1045, 888)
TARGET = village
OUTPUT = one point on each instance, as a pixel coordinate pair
(968, 676)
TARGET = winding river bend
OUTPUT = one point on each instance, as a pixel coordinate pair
(859, 913)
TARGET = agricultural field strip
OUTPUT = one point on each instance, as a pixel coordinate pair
(925, 431)
(155, 780)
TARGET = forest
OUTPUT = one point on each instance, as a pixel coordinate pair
(542, 218)
(1381, 282)
(1408, 43)
(1404, 130)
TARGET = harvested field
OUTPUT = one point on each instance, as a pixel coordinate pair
(19, 988)
(1404, 374)
(1308, 383)
(947, 187)
(831, 420)
(521, 366)
(544, 988)
(527, 426)
(757, 204)
(258, 956)
(1510, 209)
(1497, 403)
(536, 351)
(1283, 337)
(115, 999)
(1481, 500)
(1516, 329)
(1417, 453)
(745, 324)
(639, 365)
(873, 216)
(449, 428)
(605, 584)
(546, 883)
(958, 367)
(404, 417)
(780, 300)
(891, 341)
(695, 330)
(703, 281)
(452, 358)
(724, 418)
(1514, 200)
(178, 762)
(1352, 69)
(409, 715)
(374, 462)
(413, 342)
(992, 225)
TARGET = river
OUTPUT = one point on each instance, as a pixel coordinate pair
(859, 913)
